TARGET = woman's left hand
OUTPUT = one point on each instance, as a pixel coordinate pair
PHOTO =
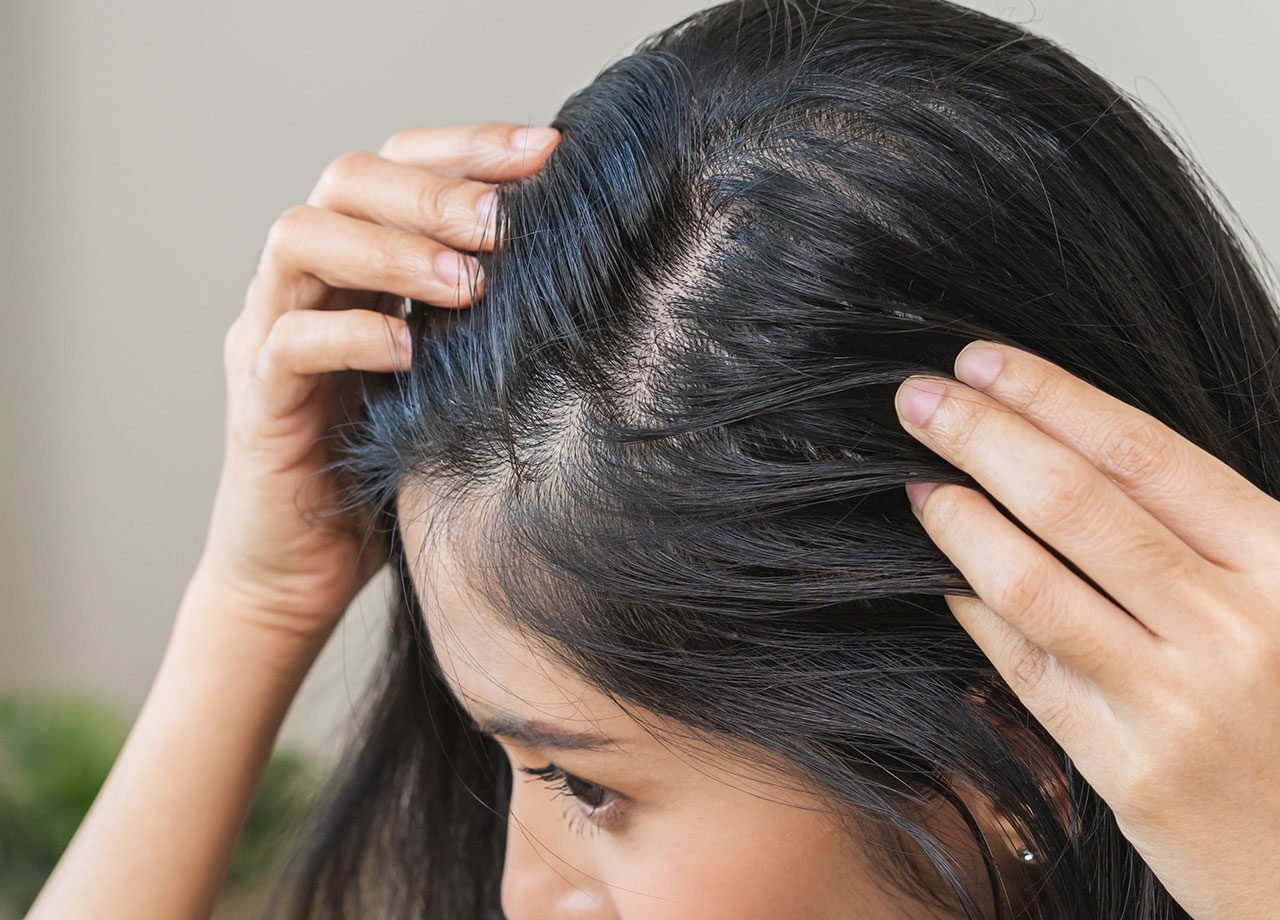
(1168, 698)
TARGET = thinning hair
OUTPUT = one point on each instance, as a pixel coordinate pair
(668, 426)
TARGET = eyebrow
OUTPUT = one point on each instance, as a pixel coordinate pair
(543, 735)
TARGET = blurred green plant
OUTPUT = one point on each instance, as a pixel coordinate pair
(55, 754)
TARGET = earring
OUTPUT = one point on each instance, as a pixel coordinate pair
(1025, 854)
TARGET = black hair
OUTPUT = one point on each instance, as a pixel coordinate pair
(669, 423)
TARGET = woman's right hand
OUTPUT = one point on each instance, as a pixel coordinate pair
(389, 222)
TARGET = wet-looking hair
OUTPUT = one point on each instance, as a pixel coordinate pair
(667, 428)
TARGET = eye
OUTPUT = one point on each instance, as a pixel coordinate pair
(595, 799)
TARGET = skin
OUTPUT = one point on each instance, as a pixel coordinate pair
(684, 831)
(271, 582)
(1168, 708)
(1167, 705)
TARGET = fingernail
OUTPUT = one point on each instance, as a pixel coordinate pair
(918, 397)
(487, 206)
(451, 266)
(406, 339)
(917, 492)
(532, 138)
(978, 365)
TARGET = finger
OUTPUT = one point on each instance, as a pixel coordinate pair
(1060, 698)
(306, 343)
(1067, 502)
(311, 250)
(1211, 507)
(1042, 599)
(490, 151)
(364, 185)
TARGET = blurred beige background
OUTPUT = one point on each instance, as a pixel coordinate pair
(148, 146)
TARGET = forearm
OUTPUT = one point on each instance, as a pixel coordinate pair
(160, 835)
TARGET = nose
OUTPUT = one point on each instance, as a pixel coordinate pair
(540, 884)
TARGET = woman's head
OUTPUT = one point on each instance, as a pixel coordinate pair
(616, 811)
(650, 486)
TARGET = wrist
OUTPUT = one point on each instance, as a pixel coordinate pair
(220, 630)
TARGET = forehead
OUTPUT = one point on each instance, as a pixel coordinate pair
(491, 667)
(495, 671)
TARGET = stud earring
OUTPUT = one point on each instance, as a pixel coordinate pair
(1025, 854)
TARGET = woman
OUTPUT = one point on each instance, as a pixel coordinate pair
(667, 641)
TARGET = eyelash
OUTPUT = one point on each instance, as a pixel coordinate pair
(598, 800)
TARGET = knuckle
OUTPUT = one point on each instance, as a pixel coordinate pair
(282, 340)
(945, 506)
(1024, 592)
(286, 227)
(1030, 667)
(478, 141)
(1194, 721)
(431, 202)
(1257, 658)
(941, 509)
(1039, 396)
(344, 168)
(961, 427)
(389, 146)
(258, 365)
(1164, 560)
(1134, 451)
(1169, 749)
(403, 259)
(1172, 748)
(1068, 497)
(1142, 786)
(490, 140)
(396, 144)
(1185, 723)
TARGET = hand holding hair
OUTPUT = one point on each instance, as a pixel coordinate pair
(1163, 687)
(373, 223)
(750, 227)
(273, 581)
